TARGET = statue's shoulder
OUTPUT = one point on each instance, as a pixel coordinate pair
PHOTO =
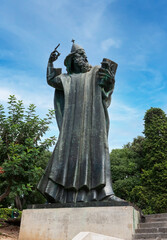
(58, 71)
(65, 79)
(63, 75)
(95, 68)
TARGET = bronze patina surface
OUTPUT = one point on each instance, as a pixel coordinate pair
(79, 169)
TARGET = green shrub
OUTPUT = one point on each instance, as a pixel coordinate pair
(6, 213)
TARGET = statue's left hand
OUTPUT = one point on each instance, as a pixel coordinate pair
(105, 74)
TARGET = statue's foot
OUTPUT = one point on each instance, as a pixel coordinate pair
(114, 198)
(115, 201)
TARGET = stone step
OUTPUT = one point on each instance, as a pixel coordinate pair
(152, 238)
(159, 215)
(153, 225)
(155, 220)
(149, 235)
(151, 230)
(152, 219)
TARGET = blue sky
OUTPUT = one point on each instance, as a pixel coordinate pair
(132, 33)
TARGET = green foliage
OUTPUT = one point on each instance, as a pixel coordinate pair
(22, 149)
(126, 168)
(6, 213)
(155, 137)
(139, 170)
(154, 175)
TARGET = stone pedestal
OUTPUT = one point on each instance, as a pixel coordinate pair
(66, 223)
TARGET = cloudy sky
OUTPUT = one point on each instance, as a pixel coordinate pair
(132, 33)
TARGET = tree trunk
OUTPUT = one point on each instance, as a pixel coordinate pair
(18, 203)
(5, 194)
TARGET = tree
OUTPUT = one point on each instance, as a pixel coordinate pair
(154, 175)
(21, 149)
(139, 170)
(126, 168)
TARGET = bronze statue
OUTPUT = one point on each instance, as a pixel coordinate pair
(79, 169)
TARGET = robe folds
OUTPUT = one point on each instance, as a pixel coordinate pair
(79, 169)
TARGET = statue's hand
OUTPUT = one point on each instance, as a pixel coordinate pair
(106, 75)
(54, 56)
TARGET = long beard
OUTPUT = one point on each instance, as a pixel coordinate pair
(84, 66)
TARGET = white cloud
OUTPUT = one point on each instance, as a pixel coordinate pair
(122, 112)
(37, 25)
(110, 42)
(26, 87)
(126, 123)
(43, 101)
(4, 94)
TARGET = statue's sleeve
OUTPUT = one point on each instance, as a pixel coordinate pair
(54, 77)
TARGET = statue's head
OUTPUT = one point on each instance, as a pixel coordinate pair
(76, 61)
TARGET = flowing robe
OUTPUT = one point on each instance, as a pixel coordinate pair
(79, 169)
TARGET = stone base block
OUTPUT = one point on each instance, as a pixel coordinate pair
(66, 223)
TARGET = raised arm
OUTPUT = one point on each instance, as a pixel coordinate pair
(107, 75)
(107, 81)
(53, 74)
